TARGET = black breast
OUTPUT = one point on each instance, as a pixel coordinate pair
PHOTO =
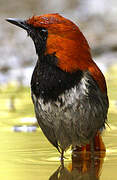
(48, 81)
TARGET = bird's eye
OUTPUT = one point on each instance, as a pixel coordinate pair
(43, 33)
(44, 30)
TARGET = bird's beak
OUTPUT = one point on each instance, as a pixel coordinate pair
(19, 22)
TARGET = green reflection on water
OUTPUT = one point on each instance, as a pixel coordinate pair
(28, 155)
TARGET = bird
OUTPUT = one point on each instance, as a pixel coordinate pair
(68, 89)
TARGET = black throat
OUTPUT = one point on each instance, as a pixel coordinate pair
(39, 36)
(48, 81)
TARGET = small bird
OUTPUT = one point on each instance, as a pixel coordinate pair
(68, 89)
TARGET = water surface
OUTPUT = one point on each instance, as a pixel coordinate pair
(28, 155)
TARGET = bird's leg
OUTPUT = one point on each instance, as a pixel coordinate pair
(92, 153)
(62, 157)
(92, 147)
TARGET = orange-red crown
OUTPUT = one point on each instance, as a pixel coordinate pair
(67, 42)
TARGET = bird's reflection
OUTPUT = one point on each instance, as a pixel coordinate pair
(83, 166)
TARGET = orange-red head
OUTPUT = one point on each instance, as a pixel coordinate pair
(65, 40)
(62, 38)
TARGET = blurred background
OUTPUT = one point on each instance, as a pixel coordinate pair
(97, 19)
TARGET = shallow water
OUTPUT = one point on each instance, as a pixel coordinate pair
(28, 156)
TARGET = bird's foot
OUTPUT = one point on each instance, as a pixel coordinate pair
(62, 158)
